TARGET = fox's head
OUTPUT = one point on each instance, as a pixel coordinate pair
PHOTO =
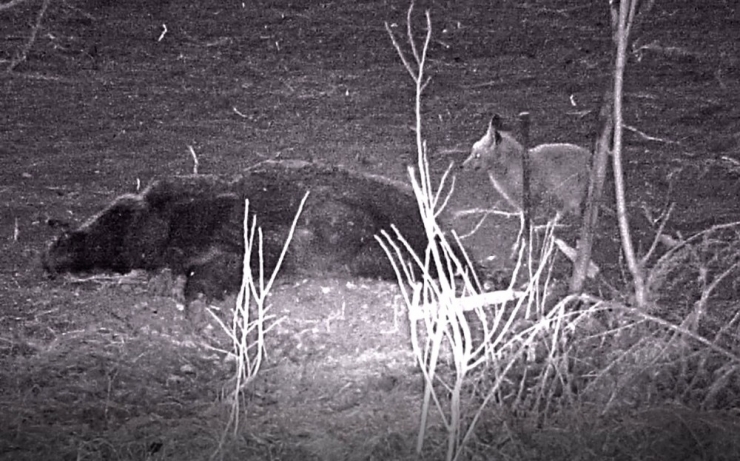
(497, 148)
(485, 148)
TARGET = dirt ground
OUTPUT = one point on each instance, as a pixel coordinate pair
(112, 94)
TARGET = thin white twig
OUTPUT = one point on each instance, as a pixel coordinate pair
(164, 32)
(195, 159)
(648, 137)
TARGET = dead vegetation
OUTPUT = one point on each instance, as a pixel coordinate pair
(94, 371)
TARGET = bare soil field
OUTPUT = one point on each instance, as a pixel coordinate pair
(113, 93)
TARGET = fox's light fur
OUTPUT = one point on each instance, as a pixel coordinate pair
(559, 173)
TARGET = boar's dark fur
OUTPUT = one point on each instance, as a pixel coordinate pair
(193, 225)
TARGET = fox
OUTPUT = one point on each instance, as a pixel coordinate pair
(559, 172)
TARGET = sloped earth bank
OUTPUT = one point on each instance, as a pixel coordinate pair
(112, 95)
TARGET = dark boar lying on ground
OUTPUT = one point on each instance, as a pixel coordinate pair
(193, 225)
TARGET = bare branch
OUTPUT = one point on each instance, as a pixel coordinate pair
(409, 34)
(635, 266)
(396, 45)
(428, 39)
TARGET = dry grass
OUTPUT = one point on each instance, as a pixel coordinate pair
(99, 371)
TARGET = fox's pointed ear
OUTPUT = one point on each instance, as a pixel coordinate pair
(487, 138)
(492, 135)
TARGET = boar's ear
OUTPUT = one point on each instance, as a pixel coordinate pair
(58, 224)
(225, 203)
